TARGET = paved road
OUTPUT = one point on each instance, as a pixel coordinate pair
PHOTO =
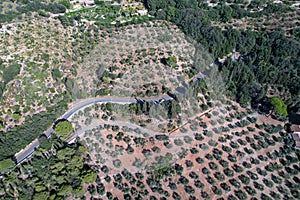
(28, 150)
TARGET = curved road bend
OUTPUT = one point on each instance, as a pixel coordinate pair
(29, 149)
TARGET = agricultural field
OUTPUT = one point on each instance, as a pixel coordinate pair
(236, 153)
(149, 99)
(145, 61)
(129, 60)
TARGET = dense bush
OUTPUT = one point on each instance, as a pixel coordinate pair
(18, 137)
(8, 74)
(26, 7)
(268, 58)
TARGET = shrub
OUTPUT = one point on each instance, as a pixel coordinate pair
(216, 190)
(242, 142)
(189, 189)
(245, 180)
(269, 167)
(268, 183)
(232, 158)
(204, 146)
(170, 61)
(275, 195)
(208, 133)
(209, 157)
(189, 163)
(212, 143)
(223, 163)
(258, 186)
(234, 145)
(221, 139)
(261, 172)
(194, 150)
(252, 175)
(56, 75)
(262, 158)
(63, 129)
(100, 189)
(193, 175)
(276, 179)
(246, 164)
(228, 172)
(205, 171)
(225, 187)
(172, 186)
(226, 149)
(10, 72)
(104, 169)
(139, 175)
(176, 196)
(235, 183)
(213, 166)
(198, 184)
(219, 176)
(210, 180)
(240, 194)
(265, 197)
(161, 137)
(187, 139)
(183, 180)
(199, 160)
(217, 151)
(129, 149)
(117, 163)
(178, 142)
(204, 195)
(6, 165)
(279, 106)
(199, 137)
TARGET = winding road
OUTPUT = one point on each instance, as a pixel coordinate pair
(29, 149)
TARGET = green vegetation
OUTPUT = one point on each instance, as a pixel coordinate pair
(267, 58)
(9, 73)
(279, 106)
(171, 61)
(19, 137)
(236, 151)
(52, 176)
(56, 74)
(73, 88)
(6, 165)
(63, 129)
(26, 7)
(107, 14)
(66, 3)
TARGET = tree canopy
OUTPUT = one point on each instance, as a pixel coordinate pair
(63, 129)
(279, 106)
(6, 165)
